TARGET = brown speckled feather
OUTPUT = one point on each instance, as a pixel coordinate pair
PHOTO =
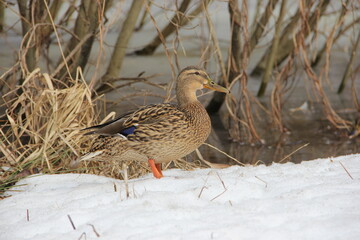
(164, 132)
(144, 115)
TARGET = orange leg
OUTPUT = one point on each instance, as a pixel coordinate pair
(155, 168)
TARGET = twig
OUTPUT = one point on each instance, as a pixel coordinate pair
(215, 41)
(81, 236)
(167, 53)
(203, 187)
(58, 38)
(218, 195)
(301, 48)
(223, 184)
(277, 93)
(93, 227)
(27, 215)
(349, 67)
(232, 158)
(126, 179)
(198, 153)
(346, 170)
(133, 191)
(260, 23)
(70, 55)
(5, 150)
(262, 180)
(142, 21)
(72, 223)
(301, 147)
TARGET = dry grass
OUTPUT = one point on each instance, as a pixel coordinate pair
(41, 130)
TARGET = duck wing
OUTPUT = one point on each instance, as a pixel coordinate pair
(129, 122)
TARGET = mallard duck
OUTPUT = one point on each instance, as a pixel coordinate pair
(158, 133)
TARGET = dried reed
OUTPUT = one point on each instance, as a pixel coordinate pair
(42, 126)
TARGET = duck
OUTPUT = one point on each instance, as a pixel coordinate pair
(158, 133)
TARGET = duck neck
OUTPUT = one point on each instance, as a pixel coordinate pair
(185, 97)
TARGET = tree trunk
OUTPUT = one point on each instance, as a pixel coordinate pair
(273, 52)
(260, 26)
(93, 26)
(86, 23)
(122, 41)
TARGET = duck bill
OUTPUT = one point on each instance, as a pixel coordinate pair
(216, 87)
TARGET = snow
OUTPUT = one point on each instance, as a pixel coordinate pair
(313, 200)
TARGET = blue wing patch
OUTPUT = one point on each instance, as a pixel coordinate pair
(127, 131)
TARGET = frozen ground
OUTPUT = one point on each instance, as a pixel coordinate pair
(313, 200)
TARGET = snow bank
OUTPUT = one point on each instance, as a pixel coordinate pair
(314, 200)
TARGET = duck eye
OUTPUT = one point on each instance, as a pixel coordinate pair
(196, 73)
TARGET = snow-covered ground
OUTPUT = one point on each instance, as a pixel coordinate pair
(314, 200)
